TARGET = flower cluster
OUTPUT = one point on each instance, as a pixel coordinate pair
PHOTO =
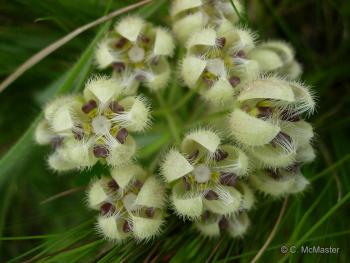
(93, 127)
(189, 16)
(258, 145)
(209, 179)
(216, 63)
(130, 202)
(137, 51)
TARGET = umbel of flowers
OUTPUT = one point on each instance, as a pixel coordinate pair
(216, 63)
(137, 52)
(263, 142)
(95, 126)
(130, 202)
(207, 176)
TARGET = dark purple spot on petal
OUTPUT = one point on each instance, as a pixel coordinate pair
(289, 116)
(234, 81)
(211, 195)
(273, 173)
(106, 208)
(228, 179)
(205, 215)
(282, 136)
(193, 156)
(127, 227)
(118, 66)
(116, 107)
(220, 42)
(186, 183)
(220, 155)
(121, 135)
(138, 184)
(56, 142)
(100, 151)
(140, 77)
(150, 212)
(240, 54)
(294, 168)
(89, 106)
(145, 39)
(264, 112)
(121, 42)
(223, 223)
(112, 184)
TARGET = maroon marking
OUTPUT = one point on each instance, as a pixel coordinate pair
(121, 135)
(89, 106)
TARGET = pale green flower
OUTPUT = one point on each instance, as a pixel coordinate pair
(130, 202)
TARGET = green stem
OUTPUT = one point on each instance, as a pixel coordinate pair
(170, 119)
(185, 99)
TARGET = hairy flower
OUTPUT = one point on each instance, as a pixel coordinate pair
(217, 65)
(137, 51)
(267, 121)
(205, 175)
(212, 225)
(280, 181)
(92, 127)
(190, 16)
(276, 57)
(130, 203)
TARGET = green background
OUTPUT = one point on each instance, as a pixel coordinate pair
(38, 226)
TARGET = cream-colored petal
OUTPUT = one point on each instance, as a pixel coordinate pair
(183, 28)
(271, 157)
(121, 154)
(130, 27)
(228, 203)
(220, 93)
(51, 107)
(239, 225)
(136, 117)
(237, 161)
(175, 166)
(164, 43)
(111, 228)
(96, 195)
(43, 134)
(179, 6)
(204, 37)
(189, 207)
(305, 154)
(275, 187)
(57, 162)
(301, 131)
(103, 54)
(267, 59)
(192, 69)
(267, 89)
(248, 199)
(251, 131)
(151, 194)
(102, 89)
(210, 229)
(123, 175)
(207, 139)
(79, 153)
(146, 228)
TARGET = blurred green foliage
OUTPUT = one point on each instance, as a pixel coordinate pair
(61, 229)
